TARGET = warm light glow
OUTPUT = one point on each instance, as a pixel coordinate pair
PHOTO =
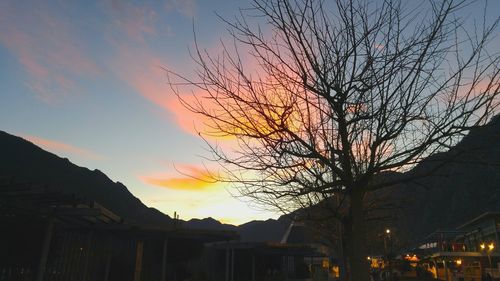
(193, 178)
(491, 246)
(412, 258)
(388, 231)
(482, 246)
(368, 258)
(459, 262)
(64, 148)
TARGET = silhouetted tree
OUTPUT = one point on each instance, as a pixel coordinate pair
(321, 97)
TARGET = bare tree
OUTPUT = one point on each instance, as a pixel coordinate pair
(322, 97)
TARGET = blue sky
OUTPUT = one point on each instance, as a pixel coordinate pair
(82, 79)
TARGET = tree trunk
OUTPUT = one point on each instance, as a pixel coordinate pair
(356, 240)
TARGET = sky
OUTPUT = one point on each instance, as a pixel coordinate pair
(84, 80)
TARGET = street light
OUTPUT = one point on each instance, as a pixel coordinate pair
(491, 247)
(388, 248)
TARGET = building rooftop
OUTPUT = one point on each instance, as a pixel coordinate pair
(483, 216)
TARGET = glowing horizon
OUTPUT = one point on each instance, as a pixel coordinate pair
(85, 80)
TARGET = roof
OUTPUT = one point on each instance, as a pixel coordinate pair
(19, 200)
(207, 236)
(442, 234)
(40, 200)
(269, 248)
(479, 218)
(462, 254)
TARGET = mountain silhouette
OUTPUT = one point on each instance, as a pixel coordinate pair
(451, 188)
(208, 223)
(466, 184)
(455, 186)
(22, 161)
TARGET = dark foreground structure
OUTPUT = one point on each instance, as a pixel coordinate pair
(48, 235)
(240, 261)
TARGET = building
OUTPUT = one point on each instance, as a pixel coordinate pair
(296, 257)
(50, 235)
(469, 252)
(482, 233)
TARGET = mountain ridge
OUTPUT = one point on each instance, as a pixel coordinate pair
(466, 187)
(24, 161)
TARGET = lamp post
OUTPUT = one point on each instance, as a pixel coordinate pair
(388, 248)
(388, 232)
(489, 248)
(388, 235)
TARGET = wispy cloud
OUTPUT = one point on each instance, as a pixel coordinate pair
(189, 178)
(44, 44)
(60, 147)
(134, 21)
(143, 72)
(134, 26)
(185, 7)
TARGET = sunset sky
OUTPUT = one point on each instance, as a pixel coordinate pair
(83, 79)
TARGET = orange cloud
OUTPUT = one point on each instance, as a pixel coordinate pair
(187, 120)
(144, 72)
(193, 179)
(60, 147)
(46, 48)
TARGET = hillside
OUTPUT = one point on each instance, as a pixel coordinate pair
(253, 231)
(466, 186)
(25, 162)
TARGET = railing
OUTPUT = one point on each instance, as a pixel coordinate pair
(493, 272)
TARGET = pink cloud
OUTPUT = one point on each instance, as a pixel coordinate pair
(46, 48)
(145, 73)
(60, 147)
(135, 21)
(196, 98)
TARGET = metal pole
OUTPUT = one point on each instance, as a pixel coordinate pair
(138, 260)
(164, 260)
(45, 250)
(445, 270)
(227, 263)
(253, 267)
(87, 252)
(232, 264)
(108, 260)
(436, 266)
